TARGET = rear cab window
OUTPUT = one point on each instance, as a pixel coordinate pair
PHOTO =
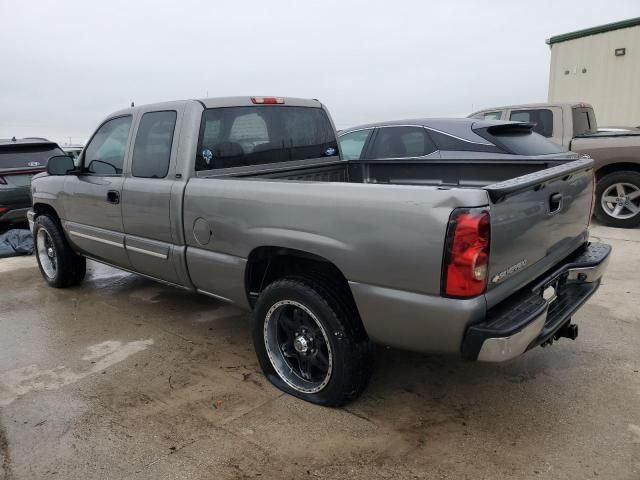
(497, 115)
(542, 117)
(243, 136)
(584, 121)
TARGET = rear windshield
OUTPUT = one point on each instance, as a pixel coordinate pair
(27, 156)
(241, 136)
(519, 140)
(584, 121)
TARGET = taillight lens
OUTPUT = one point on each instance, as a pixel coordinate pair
(267, 100)
(2, 180)
(466, 254)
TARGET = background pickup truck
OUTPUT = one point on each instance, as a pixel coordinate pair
(248, 201)
(616, 153)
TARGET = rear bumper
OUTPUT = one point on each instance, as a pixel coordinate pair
(14, 203)
(14, 215)
(528, 319)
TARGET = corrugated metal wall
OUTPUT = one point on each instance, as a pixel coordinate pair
(611, 84)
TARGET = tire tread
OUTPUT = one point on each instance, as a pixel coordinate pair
(357, 373)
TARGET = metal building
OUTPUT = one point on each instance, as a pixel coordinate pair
(600, 66)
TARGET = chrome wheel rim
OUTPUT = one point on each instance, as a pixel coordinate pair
(621, 200)
(298, 346)
(46, 253)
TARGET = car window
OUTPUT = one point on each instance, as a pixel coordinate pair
(401, 142)
(106, 150)
(22, 155)
(583, 121)
(351, 144)
(451, 143)
(242, 136)
(543, 118)
(152, 148)
(491, 115)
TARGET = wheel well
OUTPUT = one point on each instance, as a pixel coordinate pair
(267, 264)
(617, 167)
(44, 209)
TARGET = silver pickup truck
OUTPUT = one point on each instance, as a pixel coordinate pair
(248, 201)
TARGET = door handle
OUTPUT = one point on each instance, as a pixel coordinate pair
(555, 202)
(113, 196)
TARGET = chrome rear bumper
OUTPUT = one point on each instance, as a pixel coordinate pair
(529, 317)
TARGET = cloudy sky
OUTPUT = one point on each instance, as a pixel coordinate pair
(64, 65)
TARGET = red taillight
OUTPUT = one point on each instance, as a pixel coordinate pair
(3, 209)
(466, 254)
(267, 100)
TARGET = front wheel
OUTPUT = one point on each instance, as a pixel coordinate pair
(618, 199)
(310, 343)
(59, 265)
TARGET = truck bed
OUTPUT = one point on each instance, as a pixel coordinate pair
(449, 173)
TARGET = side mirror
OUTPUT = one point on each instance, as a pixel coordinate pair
(60, 165)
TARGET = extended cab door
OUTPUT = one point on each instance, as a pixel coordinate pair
(152, 196)
(92, 199)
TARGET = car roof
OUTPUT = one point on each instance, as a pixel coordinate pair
(26, 141)
(524, 106)
(459, 127)
(219, 102)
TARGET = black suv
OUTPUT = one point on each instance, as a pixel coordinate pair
(19, 161)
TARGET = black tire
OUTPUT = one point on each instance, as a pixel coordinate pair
(70, 268)
(350, 349)
(604, 190)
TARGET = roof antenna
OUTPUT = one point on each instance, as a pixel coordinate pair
(13, 139)
(133, 104)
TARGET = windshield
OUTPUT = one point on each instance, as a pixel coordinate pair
(241, 136)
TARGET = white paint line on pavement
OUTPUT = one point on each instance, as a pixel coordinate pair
(21, 381)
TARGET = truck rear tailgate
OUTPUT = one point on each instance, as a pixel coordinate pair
(536, 221)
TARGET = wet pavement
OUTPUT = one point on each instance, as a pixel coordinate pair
(125, 378)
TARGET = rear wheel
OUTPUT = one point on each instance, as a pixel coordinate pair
(618, 199)
(59, 265)
(310, 343)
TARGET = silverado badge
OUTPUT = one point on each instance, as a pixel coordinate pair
(497, 278)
